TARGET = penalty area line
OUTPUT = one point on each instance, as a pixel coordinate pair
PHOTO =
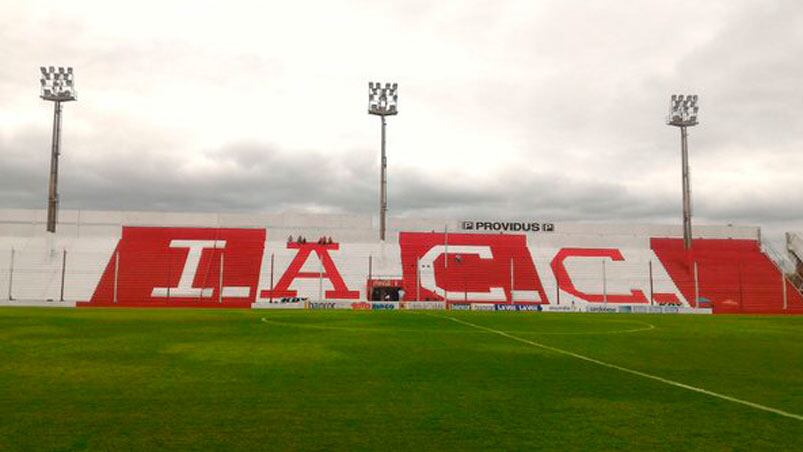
(631, 371)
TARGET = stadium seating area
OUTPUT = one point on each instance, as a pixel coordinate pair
(734, 274)
(211, 260)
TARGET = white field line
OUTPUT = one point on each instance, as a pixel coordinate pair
(646, 327)
(631, 371)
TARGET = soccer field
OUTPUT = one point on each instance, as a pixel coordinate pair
(241, 379)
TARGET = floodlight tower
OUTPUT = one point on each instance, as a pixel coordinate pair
(58, 85)
(382, 101)
(683, 114)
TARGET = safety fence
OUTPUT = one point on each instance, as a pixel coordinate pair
(458, 276)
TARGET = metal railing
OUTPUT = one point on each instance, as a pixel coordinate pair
(75, 276)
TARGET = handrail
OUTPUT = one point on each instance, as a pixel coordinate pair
(791, 238)
(784, 264)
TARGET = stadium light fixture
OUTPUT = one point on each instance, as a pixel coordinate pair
(382, 102)
(683, 113)
(58, 85)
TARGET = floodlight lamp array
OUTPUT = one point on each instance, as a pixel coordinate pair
(683, 110)
(58, 84)
(383, 100)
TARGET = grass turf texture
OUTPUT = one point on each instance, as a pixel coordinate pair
(219, 379)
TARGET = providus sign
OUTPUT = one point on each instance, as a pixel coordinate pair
(513, 226)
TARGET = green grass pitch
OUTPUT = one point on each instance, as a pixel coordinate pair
(122, 379)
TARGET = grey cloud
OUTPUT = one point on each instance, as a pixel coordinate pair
(260, 177)
(749, 76)
(256, 177)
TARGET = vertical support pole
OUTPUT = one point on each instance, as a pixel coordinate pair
(383, 186)
(11, 275)
(511, 280)
(53, 195)
(684, 149)
(116, 274)
(445, 262)
(557, 291)
(63, 272)
(220, 281)
(652, 285)
(417, 279)
(741, 291)
(604, 285)
(696, 286)
(783, 289)
(465, 285)
(169, 272)
(271, 277)
(370, 287)
(320, 280)
(446, 244)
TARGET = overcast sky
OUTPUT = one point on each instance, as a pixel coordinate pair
(542, 110)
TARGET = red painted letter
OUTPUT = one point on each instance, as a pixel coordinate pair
(330, 272)
(565, 281)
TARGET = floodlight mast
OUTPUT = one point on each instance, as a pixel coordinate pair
(683, 113)
(58, 85)
(383, 101)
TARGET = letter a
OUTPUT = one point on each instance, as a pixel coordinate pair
(330, 272)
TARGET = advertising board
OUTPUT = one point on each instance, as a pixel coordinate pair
(518, 307)
(322, 305)
(424, 305)
(557, 308)
(597, 309)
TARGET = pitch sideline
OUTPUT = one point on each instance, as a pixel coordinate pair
(630, 371)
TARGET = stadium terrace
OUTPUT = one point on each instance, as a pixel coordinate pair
(148, 259)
